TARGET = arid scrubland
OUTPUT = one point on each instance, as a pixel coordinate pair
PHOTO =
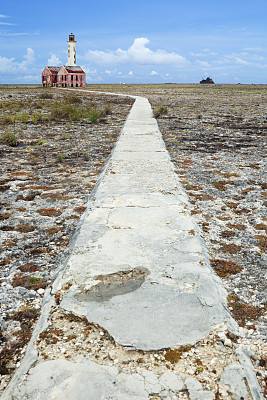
(53, 146)
(52, 150)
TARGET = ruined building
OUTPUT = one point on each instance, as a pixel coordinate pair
(207, 81)
(70, 75)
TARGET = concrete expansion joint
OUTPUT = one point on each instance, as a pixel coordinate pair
(136, 312)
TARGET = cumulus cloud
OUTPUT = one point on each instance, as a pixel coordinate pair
(203, 64)
(130, 73)
(54, 60)
(153, 73)
(10, 65)
(29, 59)
(7, 64)
(88, 70)
(137, 53)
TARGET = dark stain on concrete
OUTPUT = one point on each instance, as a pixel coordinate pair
(115, 284)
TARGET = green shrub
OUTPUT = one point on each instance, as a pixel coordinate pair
(46, 96)
(36, 117)
(8, 119)
(68, 112)
(41, 142)
(94, 116)
(10, 138)
(24, 117)
(106, 111)
(60, 157)
(159, 111)
(73, 99)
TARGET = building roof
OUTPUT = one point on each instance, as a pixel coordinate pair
(53, 69)
(74, 68)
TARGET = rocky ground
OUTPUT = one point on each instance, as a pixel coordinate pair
(216, 136)
(53, 146)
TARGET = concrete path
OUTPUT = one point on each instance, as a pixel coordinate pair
(138, 268)
(139, 237)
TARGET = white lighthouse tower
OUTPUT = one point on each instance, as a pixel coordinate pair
(71, 50)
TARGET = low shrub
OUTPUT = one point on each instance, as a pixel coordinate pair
(159, 111)
(46, 96)
(10, 138)
(94, 116)
(73, 99)
(68, 112)
(36, 117)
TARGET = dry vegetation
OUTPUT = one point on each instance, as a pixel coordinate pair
(53, 146)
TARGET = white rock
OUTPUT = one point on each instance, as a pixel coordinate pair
(193, 384)
(201, 395)
(151, 382)
(40, 291)
(171, 381)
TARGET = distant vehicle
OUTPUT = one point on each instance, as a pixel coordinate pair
(207, 81)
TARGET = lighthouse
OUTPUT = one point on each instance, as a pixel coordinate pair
(71, 50)
(70, 75)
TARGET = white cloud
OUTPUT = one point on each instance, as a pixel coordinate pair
(239, 60)
(7, 33)
(29, 59)
(198, 54)
(107, 71)
(9, 65)
(3, 16)
(6, 23)
(88, 70)
(137, 53)
(54, 60)
(153, 73)
(30, 78)
(130, 73)
(203, 64)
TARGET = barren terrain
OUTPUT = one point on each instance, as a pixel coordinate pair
(53, 147)
(216, 137)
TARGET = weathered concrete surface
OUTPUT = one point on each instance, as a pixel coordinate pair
(140, 219)
(139, 269)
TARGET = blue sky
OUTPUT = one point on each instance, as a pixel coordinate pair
(141, 41)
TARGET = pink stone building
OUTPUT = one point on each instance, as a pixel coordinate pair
(49, 76)
(70, 75)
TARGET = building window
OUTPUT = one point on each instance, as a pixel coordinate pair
(71, 77)
(77, 77)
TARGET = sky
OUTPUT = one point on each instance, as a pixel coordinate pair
(136, 41)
